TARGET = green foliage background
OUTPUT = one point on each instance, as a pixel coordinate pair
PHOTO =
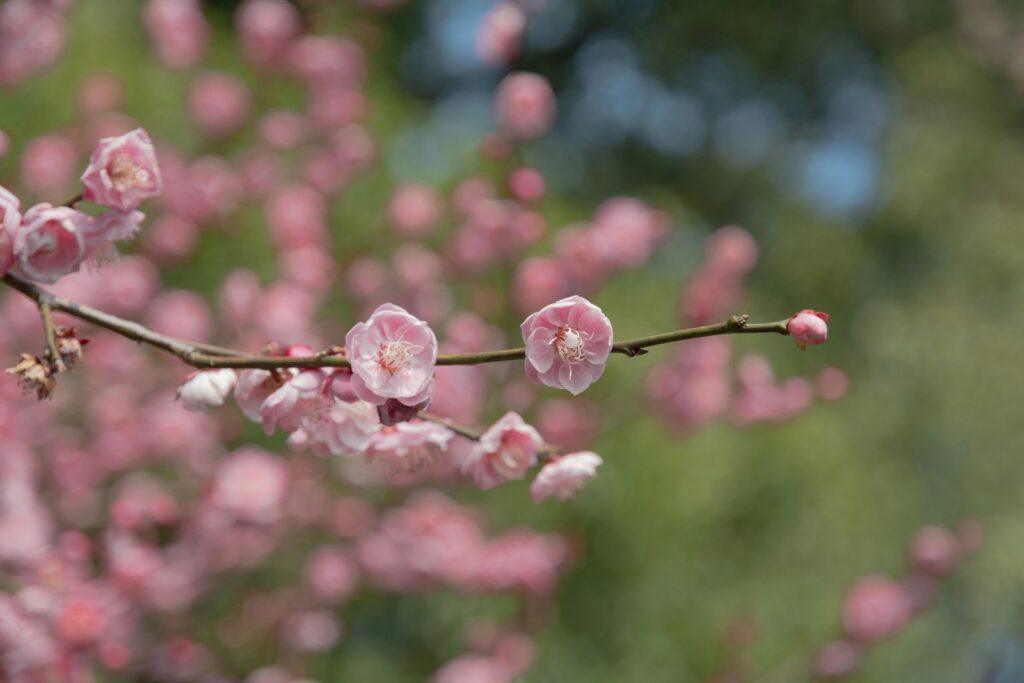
(682, 536)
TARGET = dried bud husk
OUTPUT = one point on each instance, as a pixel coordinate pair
(34, 376)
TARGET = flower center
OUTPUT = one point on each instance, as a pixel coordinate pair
(126, 174)
(510, 459)
(569, 344)
(395, 355)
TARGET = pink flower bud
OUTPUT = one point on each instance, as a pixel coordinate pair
(564, 476)
(207, 389)
(567, 344)
(393, 355)
(524, 105)
(122, 171)
(504, 452)
(808, 327)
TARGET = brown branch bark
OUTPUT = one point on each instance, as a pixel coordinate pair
(208, 356)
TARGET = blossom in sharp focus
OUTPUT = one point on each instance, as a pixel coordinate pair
(505, 451)
(567, 344)
(393, 355)
(122, 171)
(50, 242)
(563, 477)
(808, 327)
(207, 389)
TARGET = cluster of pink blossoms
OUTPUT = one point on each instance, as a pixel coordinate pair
(47, 242)
(121, 513)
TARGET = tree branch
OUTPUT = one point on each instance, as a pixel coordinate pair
(208, 356)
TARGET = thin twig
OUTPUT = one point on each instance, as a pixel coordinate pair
(50, 334)
(207, 356)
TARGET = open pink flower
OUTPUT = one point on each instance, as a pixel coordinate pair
(286, 406)
(393, 355)
(342, 427)
(808, 327)
(563, 477)
(567, 344)
(50, 242)
(408, 445)
(252, 389)
(207, 389)
(122, 171)
(505, 451)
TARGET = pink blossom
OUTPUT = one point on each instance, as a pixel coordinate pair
(286, 406)
(99, 92)
(874, 608)
(109, 227)
(32, 36)
(182, 314)
(171, 238)
(538, 279)
(504, 452)
(526, 184)
(414, 209)
(408, 445)
(295, 217)
(934, 550)
(808, 327)
(282, 128)
(122, 171)
(567, 344)
(218, 104)
(50, 242)
(832, 383)
(393, 355)
(207, 389)
(524, 105)
(564, 476)
(474, 669)
(250, 485)
(331, 575)
(342, 427)
(311, 631)
(500, 34)
(178, 31)
(48, 164)
(265, 27)
(252, 389)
